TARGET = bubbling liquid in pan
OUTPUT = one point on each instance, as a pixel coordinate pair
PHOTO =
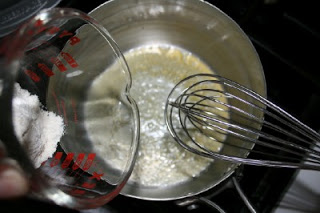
(155, 71)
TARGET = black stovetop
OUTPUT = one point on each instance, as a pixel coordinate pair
(286, 36)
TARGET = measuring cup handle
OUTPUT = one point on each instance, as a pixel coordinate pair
(10, 146)
(13, 181)
(15, 166)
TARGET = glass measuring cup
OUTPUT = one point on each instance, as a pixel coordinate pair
(60, 61)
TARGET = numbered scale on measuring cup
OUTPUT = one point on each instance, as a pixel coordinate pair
(80, 135)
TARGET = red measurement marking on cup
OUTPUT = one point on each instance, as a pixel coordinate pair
(63, 106)
(83, 183)
(56, 61)
(39, 26)
(57, 102)
(65, 33)
(67, 161)
(32, 75)
(70, 60)
(56, 159)
(74, 109)
(96, 175)
(88, 185)
(38, 23)
(44, 68)
(89, 161)
(77, 192)
(78, 162)
(74, 40)
(53, 30)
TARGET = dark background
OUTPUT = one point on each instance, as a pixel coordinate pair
(286, 36)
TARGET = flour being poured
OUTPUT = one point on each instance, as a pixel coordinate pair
(38, 131)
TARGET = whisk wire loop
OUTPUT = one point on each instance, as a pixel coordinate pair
(249, 128)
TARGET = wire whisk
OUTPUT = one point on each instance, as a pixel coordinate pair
(218, 118)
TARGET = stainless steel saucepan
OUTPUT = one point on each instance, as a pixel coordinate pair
(205, 31)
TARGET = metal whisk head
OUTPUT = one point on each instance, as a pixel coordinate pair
(218, 118)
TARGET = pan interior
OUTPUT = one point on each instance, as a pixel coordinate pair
(205, 32)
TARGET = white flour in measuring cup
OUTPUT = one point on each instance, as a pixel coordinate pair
(38, 131)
